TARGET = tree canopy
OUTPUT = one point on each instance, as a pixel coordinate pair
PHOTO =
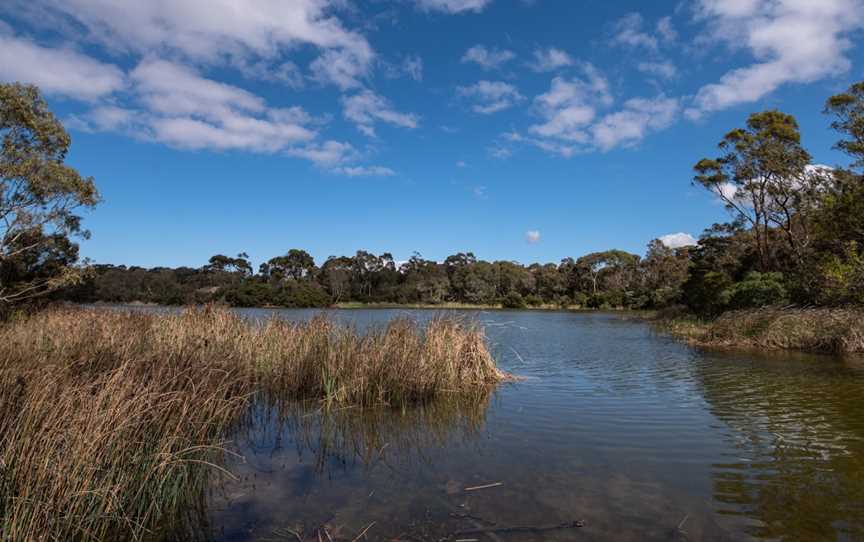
(39, 198)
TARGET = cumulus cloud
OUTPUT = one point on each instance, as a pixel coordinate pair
(532, 237)
(210, 32)
(61, 72)
(662, 69)
(187, 110)
(366, 108)
(632, 123)
(365, 171)
(551, 59)
(175, 105)
(666, 29)
(491, 96)
(570, 105)
(454, 6)
(488, 59)
(628, 31)
(326, 154)
(410, 67)
(678, 240)
(573, 117)
(793, 41)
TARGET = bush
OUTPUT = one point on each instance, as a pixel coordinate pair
(756, 290)
(702, 292)
(533, 301)
(513, 300)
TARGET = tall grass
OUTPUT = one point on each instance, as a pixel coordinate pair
(824, 330)
(112, 424)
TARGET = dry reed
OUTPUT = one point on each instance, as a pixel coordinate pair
(823, 330)
(112, 423)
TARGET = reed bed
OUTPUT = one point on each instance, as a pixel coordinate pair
(113, 424)
(822, 330)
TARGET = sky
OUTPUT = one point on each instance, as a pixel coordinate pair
(527, 130)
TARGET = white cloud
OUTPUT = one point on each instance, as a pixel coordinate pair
(793, 41)
(634, 121)
(366, 108)
(328, 153)
(488, 59)
(413, 67)
(678, 240)
(491, 96)
(551, 59)
(572, 120)
(340, 67)
(454, 6)
(410, 66)
(209, 31)
(663, 69)
(666, 30)
(628, 31)
(365, 171)
(570, 105)
(532, 237)
(187, 110)
(180, 108)
(62, 72)
(461, 163)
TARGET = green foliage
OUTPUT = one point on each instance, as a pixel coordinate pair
(39, 197)
(513, 300)
(756, 290)
(848, 111)
(843, 277)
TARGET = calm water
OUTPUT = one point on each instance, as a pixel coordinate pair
(639, 436)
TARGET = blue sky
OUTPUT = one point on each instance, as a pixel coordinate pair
(519, 130)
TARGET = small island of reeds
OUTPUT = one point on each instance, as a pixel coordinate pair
(113, 424)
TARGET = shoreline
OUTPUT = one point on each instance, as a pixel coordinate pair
(835, 331)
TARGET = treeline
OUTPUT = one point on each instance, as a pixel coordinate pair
(605, 279)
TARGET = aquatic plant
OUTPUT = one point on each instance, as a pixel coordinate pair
(112, 424)
(832, 331)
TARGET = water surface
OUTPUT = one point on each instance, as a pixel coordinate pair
(637, 435)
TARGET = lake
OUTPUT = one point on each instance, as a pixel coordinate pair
(636, 435)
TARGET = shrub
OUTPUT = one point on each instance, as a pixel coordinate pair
(756, 290)
(513, 300)
(533, 301)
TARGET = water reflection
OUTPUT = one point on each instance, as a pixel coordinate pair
(795, 462)
(640, 436)
(307, 470)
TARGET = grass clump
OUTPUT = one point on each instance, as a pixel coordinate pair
(822, 330)
(113, 424)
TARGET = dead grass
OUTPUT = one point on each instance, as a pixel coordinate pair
(824, 330)
(112, 423)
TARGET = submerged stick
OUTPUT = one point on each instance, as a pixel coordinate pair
(359, 536)
(487, 486)
(523, 528)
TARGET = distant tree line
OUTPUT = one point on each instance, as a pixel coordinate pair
(796, 237)
(604, 279)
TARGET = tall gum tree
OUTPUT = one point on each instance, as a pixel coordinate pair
(40, 196)
(764, 177)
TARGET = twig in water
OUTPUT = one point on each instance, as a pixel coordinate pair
(487, 486)
(523, 528)
(359, 536)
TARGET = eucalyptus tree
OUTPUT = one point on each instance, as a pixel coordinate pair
(40, 197)
(764, 177)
